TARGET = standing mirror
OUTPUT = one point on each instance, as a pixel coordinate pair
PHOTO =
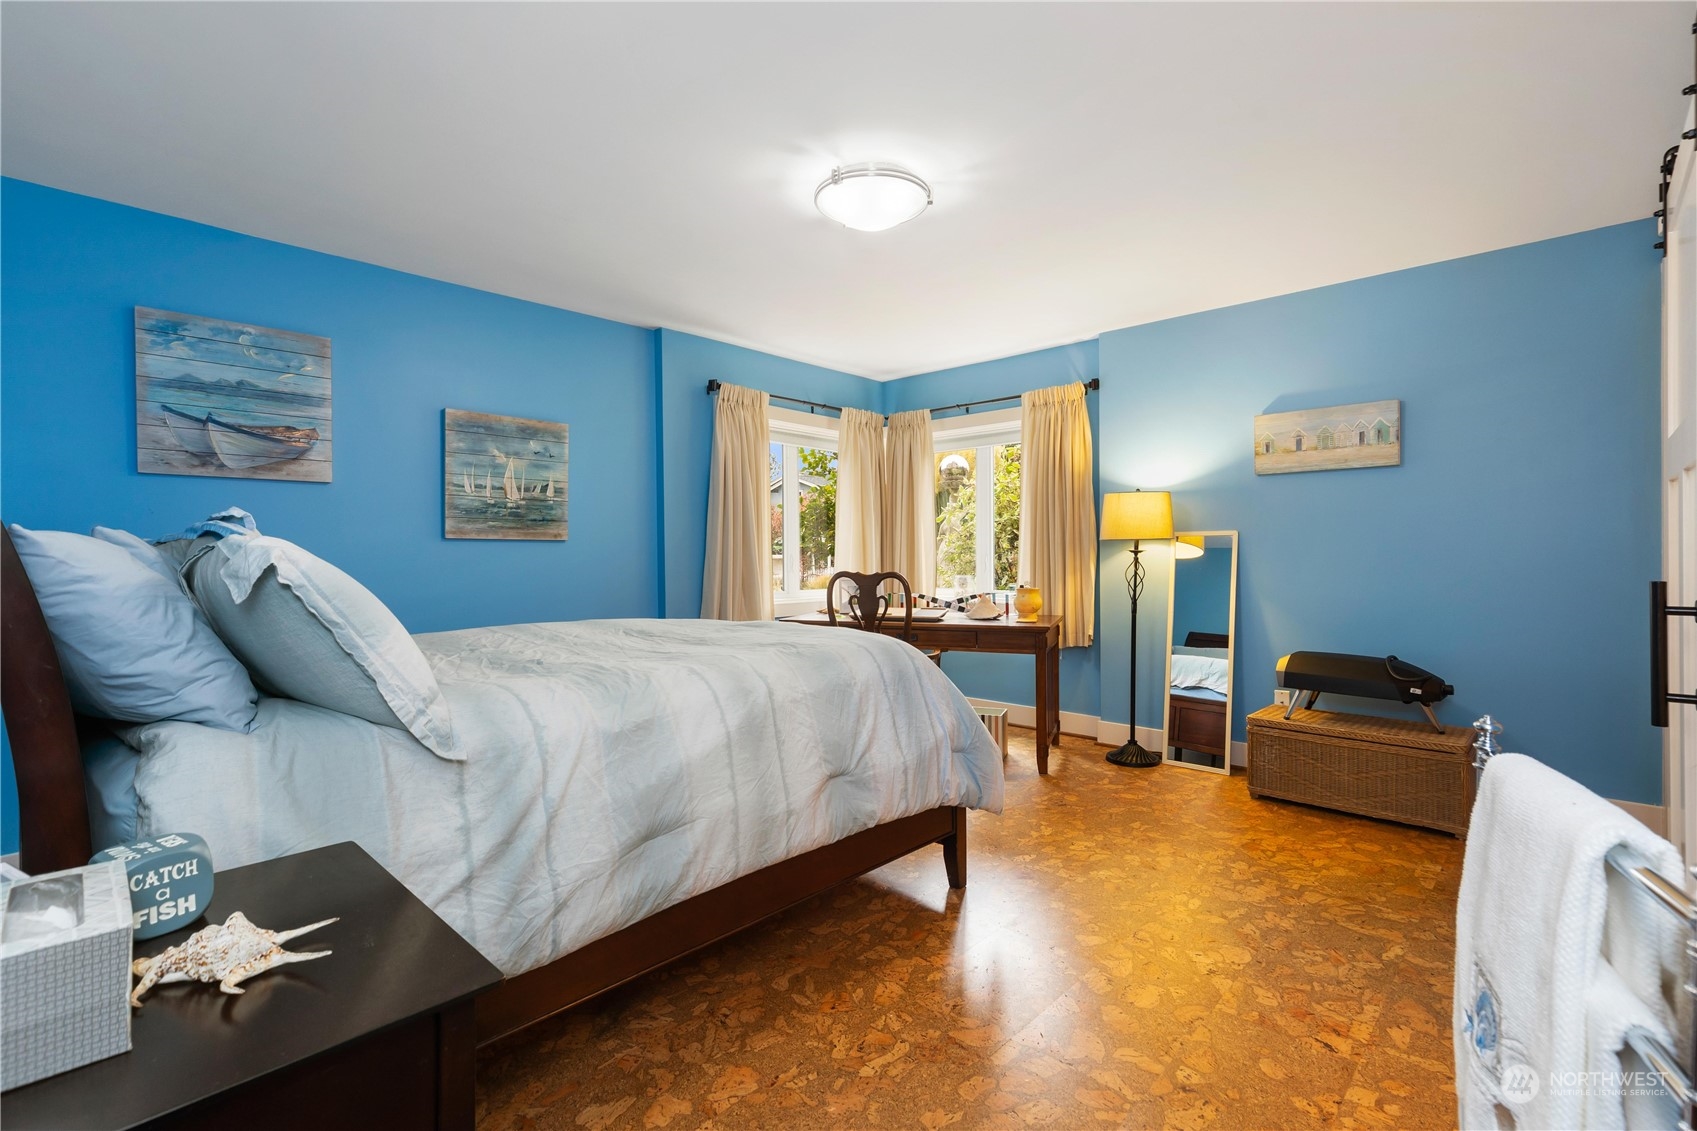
(1201, 645)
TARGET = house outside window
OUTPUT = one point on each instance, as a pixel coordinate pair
(977, 498)
(803, 508)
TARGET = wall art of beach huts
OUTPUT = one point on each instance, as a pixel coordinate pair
(504, 477)
(1328, 439)
(225, 398)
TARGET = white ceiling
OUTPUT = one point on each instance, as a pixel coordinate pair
(1094, 165)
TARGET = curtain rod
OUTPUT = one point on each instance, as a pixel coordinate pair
(1090, 386)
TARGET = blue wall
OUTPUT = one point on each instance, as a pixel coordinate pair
(1508, 553)
(1008, 679)
(686, 364)
(405, 348)
(1202, 593)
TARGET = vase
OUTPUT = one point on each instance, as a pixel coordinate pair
(1028, 602)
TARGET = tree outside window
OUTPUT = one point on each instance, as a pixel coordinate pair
(969, 503)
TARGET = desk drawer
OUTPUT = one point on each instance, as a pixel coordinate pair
(945, 638)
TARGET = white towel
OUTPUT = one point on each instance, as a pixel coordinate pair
(1530, 935)
(1611, 1102)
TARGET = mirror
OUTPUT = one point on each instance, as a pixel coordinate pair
(1201, 647)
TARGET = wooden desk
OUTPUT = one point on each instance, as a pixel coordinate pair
(1039, 638)
(377, 1035)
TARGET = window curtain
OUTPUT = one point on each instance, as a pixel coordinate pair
(736, 583)
(1057, 508)
(910, 501)
(860, 490)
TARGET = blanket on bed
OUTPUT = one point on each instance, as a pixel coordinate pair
(613, 768)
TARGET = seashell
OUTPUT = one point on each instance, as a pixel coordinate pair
(228, 953)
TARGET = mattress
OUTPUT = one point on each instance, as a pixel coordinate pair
(613, 768)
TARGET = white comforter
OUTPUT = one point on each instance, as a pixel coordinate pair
(613, 768)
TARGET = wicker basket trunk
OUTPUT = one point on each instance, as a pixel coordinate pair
(1386, 768)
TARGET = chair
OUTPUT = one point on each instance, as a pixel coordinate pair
(869, 609)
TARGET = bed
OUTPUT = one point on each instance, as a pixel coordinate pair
(631, 790)
(1196, 697)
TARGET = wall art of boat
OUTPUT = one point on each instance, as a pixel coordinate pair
(503, 476)
(237, 446)
(231, 399)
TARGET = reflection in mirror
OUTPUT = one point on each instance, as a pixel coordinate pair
(1203, 610)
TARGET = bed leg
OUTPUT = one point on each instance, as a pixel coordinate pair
(954, 849)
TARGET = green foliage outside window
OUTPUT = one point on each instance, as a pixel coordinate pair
(818, 517)
(958, 513)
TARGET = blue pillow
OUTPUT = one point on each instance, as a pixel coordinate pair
(131, 643)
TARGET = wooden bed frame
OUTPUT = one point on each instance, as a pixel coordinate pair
(53, 819)
(1194, 723)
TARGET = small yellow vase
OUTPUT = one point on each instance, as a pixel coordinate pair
(1028, 602)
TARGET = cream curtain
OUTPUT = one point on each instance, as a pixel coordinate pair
(910, 501)
(1057, 508)
(860, 490)
(736, 583)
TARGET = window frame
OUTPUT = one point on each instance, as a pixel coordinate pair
(790, 430)
(984, 432)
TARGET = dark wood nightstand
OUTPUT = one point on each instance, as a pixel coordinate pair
(379, 1034)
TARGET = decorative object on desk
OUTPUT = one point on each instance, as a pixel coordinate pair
(170, 880)
(228, 953)
(984, 607)
(64, 970)
(225, 398)
(1136, 516)
(1366, 677)
(1028, 602)
(505, 477)
(1329, 439)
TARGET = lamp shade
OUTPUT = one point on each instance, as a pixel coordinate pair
(1128, 515)
(1187, 546)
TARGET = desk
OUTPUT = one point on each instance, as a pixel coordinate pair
(1039, 638)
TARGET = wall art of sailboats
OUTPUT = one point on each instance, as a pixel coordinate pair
(505, 477)
(237, 446)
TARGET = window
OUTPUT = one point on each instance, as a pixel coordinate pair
(803, 460)
(977, 485)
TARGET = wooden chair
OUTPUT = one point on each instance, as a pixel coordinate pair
(869, 609)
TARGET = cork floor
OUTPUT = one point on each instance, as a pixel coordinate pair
(1135, 948)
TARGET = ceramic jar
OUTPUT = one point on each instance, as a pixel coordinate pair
(1028, 602)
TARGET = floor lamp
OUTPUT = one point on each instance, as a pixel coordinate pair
(1132, 516)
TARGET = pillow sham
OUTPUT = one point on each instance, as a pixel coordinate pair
(308, 631)
(131, 644)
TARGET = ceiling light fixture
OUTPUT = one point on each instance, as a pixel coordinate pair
(871, 196)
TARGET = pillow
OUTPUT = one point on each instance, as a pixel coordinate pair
(308, 631)
(130, 642)
(145, 553)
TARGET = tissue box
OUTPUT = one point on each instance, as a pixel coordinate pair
(64, 971)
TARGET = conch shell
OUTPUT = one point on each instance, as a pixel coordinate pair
(984, 607)
(228, 953)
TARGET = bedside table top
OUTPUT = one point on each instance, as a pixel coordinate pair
(392, 960)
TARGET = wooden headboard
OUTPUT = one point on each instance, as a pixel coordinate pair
(42, 730)
(1207, 640)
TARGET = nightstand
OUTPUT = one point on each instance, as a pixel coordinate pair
(377, 1035)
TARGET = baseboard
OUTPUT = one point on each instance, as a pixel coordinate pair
(1089, 726)
(1655, 817)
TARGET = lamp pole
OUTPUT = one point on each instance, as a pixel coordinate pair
(1131, 754)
